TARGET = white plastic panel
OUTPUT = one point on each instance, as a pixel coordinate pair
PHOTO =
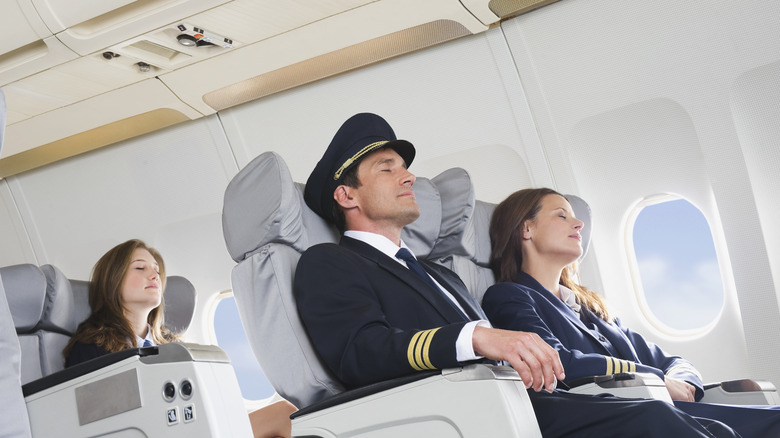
(21, 25)
(100, 110)
(136, 18)
(66, 84)
(588, 66)
(61, 14)
(348, 28)
(33, 58)
(16, 245)
(474, 128)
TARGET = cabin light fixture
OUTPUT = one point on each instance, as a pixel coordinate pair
(187, 40)
(143, 67)
(197, 37)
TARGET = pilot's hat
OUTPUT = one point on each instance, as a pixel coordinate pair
(360, 135)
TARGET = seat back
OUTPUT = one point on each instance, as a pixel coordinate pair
(464, 243)
(25, 287)
(13, 415)
(267, 226)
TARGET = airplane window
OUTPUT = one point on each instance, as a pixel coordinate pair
(677, 264)
(231, 338)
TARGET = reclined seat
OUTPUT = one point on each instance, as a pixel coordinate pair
(13, 415)
(184, 390)
(464, 247)
(267, 226)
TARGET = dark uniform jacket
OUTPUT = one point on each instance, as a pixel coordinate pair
(372, 319)
(587, 345)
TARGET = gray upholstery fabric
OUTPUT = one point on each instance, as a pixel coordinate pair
(583, 213)
(14, 422)
(422, 234)
(58, 321)
(267, 227)
(25, 287)
(179, 300)
(263, 224)
(251, 215)
(81, 309)
(464, 241)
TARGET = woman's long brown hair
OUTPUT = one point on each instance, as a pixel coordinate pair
(506, 236)
(107, 325)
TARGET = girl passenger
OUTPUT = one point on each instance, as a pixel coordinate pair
(536, 243)
(125, 295)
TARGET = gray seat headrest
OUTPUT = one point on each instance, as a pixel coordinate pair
(252, 218)
(25, 289)
(583, 213)
(179, 300)
(458, 234)
(59, 308)
(81, 309)
(422, 234)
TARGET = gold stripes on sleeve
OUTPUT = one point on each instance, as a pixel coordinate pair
(419, 348)
(615, 365)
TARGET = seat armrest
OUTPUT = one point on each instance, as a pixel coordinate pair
(174, 390)
(626, 385)
(471, 401)
(741, 392)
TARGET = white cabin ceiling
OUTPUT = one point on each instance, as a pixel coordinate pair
(75, 67)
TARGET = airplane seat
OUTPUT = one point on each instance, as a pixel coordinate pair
(25, 287)
(13, 415)
(267, 226)
(464, 244)
(262, 222)
(176, 389)
(58, 321)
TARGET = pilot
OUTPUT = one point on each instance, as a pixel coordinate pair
(536, 243)
(368, 304)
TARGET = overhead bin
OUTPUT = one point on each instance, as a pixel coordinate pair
(28, 46)
(107, 118)
(491, 11)
(341, 42)
(103, 26)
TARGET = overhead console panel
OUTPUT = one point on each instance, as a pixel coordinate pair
(76, 71)
(346, 37)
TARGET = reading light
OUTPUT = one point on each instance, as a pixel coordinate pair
(187, 40)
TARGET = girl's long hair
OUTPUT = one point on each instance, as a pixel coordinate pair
(107, 326)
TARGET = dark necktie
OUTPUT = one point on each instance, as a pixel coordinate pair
(147, 343)
(415, 266)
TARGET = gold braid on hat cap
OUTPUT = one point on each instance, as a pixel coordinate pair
(359, 154)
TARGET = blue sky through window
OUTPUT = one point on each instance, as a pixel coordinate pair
(678, 265)
(232, 339)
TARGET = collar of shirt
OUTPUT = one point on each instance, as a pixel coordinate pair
(569, 298)
(382, 243)
(140, 341)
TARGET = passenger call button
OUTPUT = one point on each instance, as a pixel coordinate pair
(173, 416)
